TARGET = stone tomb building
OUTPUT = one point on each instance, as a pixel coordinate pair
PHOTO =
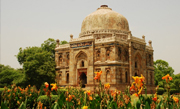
(104, 44)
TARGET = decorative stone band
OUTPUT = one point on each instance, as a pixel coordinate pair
(111, 62)
(101, 31)
(149, 48)
(137, 40)
(150, 67)
(112, 39)
(82, 39)
(62, 46)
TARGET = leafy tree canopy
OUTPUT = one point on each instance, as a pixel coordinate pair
(39, 62)
(162, 68)
(9, 75)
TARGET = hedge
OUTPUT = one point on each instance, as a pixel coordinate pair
(45, 101)
(1, 90)
(160, 91)
(61, 90)
(173, 91)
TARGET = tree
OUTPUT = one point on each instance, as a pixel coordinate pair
(9, 75)
(38, 65)
(162, 68)
(63, 42)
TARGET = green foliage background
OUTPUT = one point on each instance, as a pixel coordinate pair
(38, 66)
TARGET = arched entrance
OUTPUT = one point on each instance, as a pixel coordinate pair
(83, 79)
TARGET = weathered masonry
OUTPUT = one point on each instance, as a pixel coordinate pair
(104, 44)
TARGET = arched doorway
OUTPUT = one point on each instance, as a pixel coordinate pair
(83, 79)
(135, 74)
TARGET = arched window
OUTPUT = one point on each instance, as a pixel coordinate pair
(119, 53)
(67, 78)
(147, 79)
(151, 78)
(135, 64)
(60, 59)
(135, 74)
(126, 77)
(98, 55)
(108, 76)
(120, 77)
(82, 63)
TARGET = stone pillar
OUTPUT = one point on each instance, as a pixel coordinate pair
(103, 75)
(103, 54)
(130, 62)
(72, 69)
(113, 54)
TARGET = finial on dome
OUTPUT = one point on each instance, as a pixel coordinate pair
(71, 36)
(143, 37)
(104, 5)
(150, 43)
(57, 43)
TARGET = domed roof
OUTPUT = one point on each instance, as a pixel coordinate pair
(104, 19)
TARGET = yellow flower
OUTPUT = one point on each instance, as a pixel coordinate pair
(107, 86)
(54, 87)
(85, 107)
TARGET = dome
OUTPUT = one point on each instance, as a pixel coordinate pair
(104, 19)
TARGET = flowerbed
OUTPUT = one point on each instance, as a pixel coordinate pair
(78, 98)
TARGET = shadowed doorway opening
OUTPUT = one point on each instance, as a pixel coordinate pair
(83, 79)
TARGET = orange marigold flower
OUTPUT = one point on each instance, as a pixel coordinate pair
(85, 107)
(88, 92)
(167, 78)
(155, 97)
(140, 91)
(69, 98)
(18, 102)
(107, 86)
(135, 94)
(46, 84)
(54, 87)
(9, 90)
(132, 87)
(175, 99)
(98, 75)
(90, 97)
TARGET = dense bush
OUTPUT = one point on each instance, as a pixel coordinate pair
(61, 90)
(45, 100)
(1, 90)
(173, 91)
(160, 91)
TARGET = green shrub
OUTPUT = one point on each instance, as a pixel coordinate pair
(173, 91)
(61, 90)
(1, 90)
(160, 91)
(45, 101)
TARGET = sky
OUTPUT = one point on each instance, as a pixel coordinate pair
(27, 23)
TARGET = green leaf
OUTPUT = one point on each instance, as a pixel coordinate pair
(147, 106)
(3, 106)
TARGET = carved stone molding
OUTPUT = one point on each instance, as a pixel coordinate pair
(137, 46)
(102, 31)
